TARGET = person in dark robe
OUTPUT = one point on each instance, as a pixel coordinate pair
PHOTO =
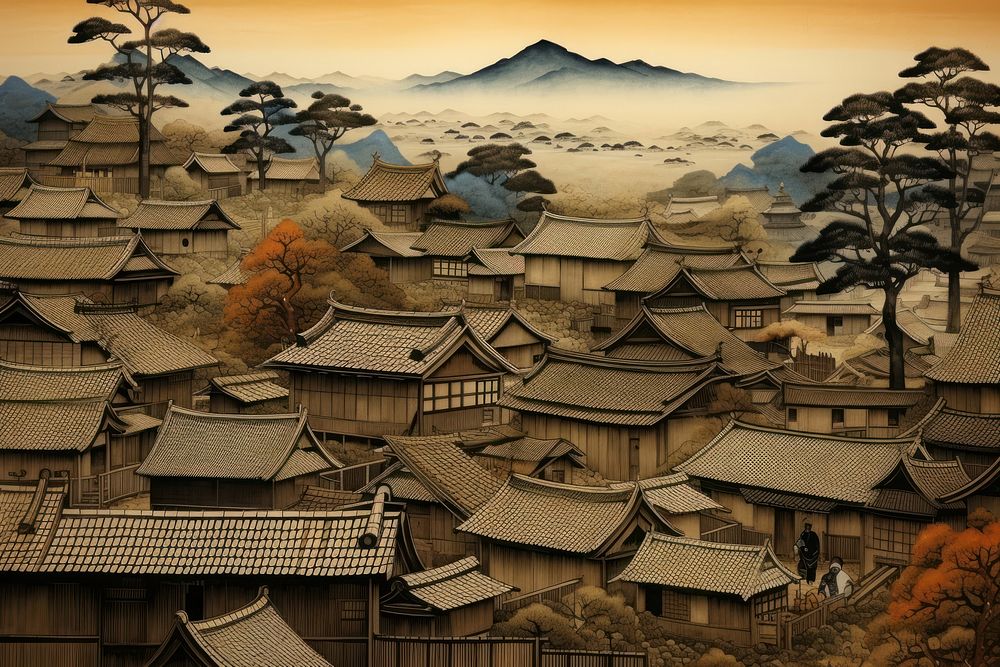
(807, 547)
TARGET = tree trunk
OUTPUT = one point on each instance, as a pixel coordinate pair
(955, 282)
(322, 171)
(894, 338)
(261, 173)
(146, 123)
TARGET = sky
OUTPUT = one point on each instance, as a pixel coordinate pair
(864, 41)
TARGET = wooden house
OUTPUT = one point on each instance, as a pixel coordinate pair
(234, 274)
(513, 452)
(399, 195)
(968, 377)
(217, 174)
(740, 297)
(367, 372)
(64, 212)
(918, 334)
(182, 227)
(982, 491)
(510, 334)
(106, 584)
(873, 412)
(495, 274)
(74, 331)
(254, 634)
(799, 280)
(14, 185)
(286, 176)
(57, 124)
(677, 499)
(113, 269)
(628, 417)
(837, 317)
(970, 437)
(226, 461)
(66, 421)
(984, 249)
(248, 393)
(657, 266)
(572, 259)
(104, 157)
(454, 600)
(866, 498)
(707, 591)
(393, 252)
(681, 210)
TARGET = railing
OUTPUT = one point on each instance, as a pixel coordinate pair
(576, 658)
(848, 547)
(791, 626)
(225, 192)
(84, 492)
(121, 483)
(555, 593)
(492, 652)
(736, 533)
(352, 477)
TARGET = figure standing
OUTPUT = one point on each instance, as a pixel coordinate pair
(807, 548)
(836, 581)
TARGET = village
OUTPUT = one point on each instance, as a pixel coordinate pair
(271, 396)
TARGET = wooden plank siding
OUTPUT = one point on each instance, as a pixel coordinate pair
(577, 279)
(208, 242)
(981, 399)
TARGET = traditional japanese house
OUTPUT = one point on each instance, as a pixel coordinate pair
(510, 334)
(115, 269)
(217, 174)
(57, 124)
(675, 496)
(972, 438)
(225, 461)
(514, 452)
(740, 297)
(287, 176)
(399, 195)
(393, 253)
(64, 212)
(657, 266)
(873, 412)
(104, 157)
(454, 600)
(234, 274)
(74, 331)
(799, 280)
(104, 585)
(984, 249)
(182, 227)
(249, 393)
(837, 317)
(711, 591)
(867, 498)
(968, 377)
(254, 634)
(689, 209)
(572, 259)
(982, 491)
(918, 334)
(495, 275)
(367, 372)
(14, 185)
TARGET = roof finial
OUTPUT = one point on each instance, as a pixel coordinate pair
(375, 157)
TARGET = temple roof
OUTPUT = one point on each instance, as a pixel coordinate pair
(385, 182)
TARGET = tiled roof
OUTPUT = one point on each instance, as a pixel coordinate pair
(233, 275)
(452, 476)
(52, 145)
(179, 215)
(408, 343)
(251, 387)
(458, 239)
(729, 569)
(691, 208)
(531, 450)
(659, 264)
(98, 258)
(452, 586)
(950, 428)
(396, 243)
(490, 321)
(233, 446)
(611, 391)
(733, 283)
(286, 169)
(387, 182)
(936, 478)
(403, 484)
(591, 238)
(760, 198)
(986, 484)
(21, 382)
(113, 140)
(14, 182)
(911, 324)
(495, 262)
(212, 163)
(105, 129)
(975, 358)
(808, 464)
(142, 348)
(321, 499)
(45, 203)
(25, 526)
(793, 275)
(875, 363)
(53, 426)
(850, 396)
(673, 494)
(71, 113)
(252, 636)
(693, 331)
(548, 515)
(787, 501)
(832, 307)
(217, 543)
(137, 422)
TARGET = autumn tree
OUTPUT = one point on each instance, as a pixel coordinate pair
(495, 163)
(945, 606)
(325, 121)
(736, 222)
(967, 106)
(883, 195)
(142, 64)
(263, 107)
(448, 207)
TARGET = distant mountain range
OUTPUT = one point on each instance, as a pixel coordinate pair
(775, 164)
(19, 102)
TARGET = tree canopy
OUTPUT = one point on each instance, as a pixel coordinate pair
(495, 163)
(262, 107)
(530, 181)
(325, 121)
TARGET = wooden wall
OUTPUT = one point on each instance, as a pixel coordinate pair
(355, 405)
(432, 527)
(578, 279)
(416, 213)
(982, 399)
(853, 324)
(530, 570)
(68, 228)
(176, 387)
(209, 242)
(406, 270)
(465, 621)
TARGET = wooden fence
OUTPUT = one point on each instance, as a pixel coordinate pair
(556, 593)
(492, 652)
(225, 192)
(791, 625)
(814, 366)
(736, 533)
(102, 185)
(848, 547)
(120, 484)
(566, 658)
(352, 477)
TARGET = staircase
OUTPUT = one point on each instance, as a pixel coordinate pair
(873, 581)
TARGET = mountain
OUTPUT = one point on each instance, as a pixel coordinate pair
(19, 102)
(777, 163)
(223, 80)
(420, 79)
(546, 65)
(360, 152)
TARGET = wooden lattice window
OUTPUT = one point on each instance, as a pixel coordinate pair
(397, 215)
(894, 535)
(676, 605)
(460, 394)
(447, 268)
(767, 605)
(748, 318)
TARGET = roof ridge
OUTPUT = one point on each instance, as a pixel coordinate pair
(235, 416)
(525, 483)
(224, 620)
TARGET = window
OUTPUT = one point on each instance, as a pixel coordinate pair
(353, 615)
(748, 318)
(793, 414)
(835, 321)
(894, 414)
(894, 535)
(447, 268)
(557, 476)
(837, 415)
(440, 396)
(767, 605)
(676, 605)
(397, 214)
(185, 243)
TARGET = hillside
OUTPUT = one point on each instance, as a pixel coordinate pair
(20, 102)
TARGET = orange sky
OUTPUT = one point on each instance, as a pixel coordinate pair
(790, 40)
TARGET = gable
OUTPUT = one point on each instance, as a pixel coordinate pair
(30, 326)
(464, 361)
(514, 333)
